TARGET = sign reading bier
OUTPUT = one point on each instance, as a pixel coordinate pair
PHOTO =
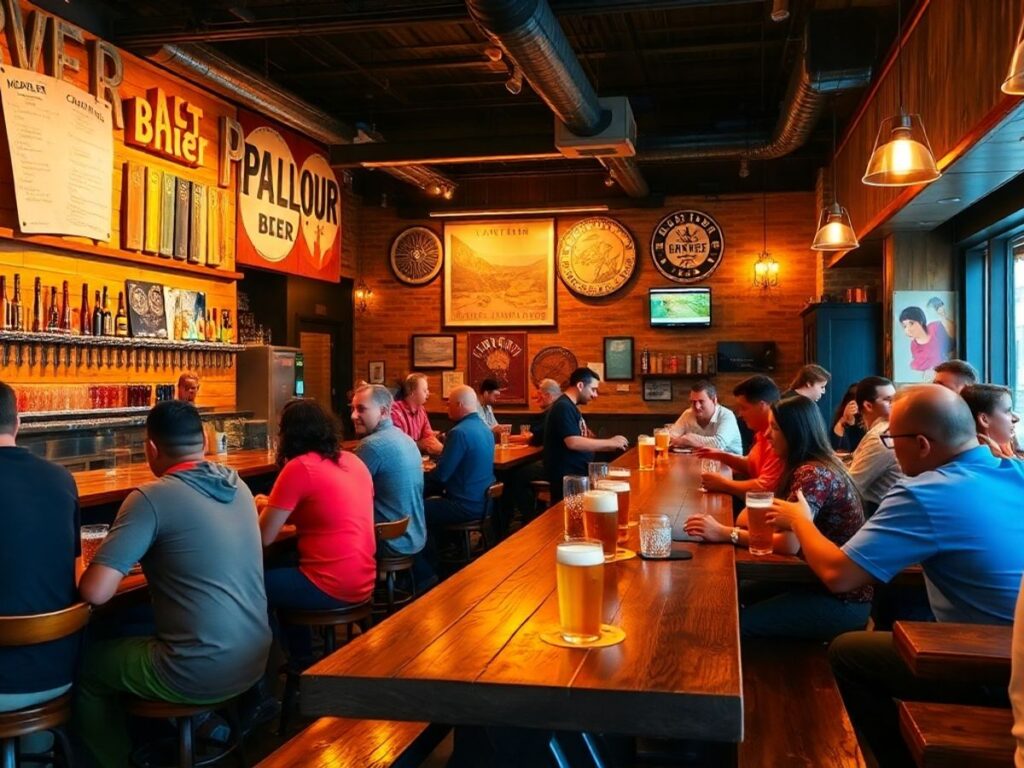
(289, 203)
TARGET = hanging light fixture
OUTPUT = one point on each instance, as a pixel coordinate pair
(902, 154)
(1014, 82)
(766, 269)
(835, 230)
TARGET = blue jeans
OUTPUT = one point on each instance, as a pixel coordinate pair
(807, 615)
(289, 588)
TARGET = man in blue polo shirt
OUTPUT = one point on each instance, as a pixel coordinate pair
(957, 513)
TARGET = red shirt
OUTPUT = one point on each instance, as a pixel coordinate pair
(331, 505)
(765, 465)
(414, 423)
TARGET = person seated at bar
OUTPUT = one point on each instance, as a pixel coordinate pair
(992, 408)
(568, 449)
(955, 375)
(194, 531)
(327, 494)
(874, 469)
(489, 393)
(848, 426)
(810, 381)
(706, 423)
(813, 475)
(188, 387)
(761, 468)
(544, 395)
(395, 466)
(40, 522)
(409, 413)
(957, 514)
(465, 468)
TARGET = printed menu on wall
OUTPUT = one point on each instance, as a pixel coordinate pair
(62, 152)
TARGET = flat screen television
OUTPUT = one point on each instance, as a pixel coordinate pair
(680, 307)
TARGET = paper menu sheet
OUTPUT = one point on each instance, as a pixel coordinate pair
(62, 155)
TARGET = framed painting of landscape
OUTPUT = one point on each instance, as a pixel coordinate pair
(499, 274)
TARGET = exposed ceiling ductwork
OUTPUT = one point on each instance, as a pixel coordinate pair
(531, 36)
(210, 68)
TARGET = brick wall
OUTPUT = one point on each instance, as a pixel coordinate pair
(740, 312)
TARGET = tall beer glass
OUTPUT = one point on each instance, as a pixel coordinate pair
(645, 451)
(758, 504)
(573, 488)
(580, 577)
(621, 489)
(661, 440)
(600, 517)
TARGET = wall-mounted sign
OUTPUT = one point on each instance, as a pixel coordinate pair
(500, 356)
(289, 203)
(596, 257)
(687, 246)
(166, 126)
(416, 256)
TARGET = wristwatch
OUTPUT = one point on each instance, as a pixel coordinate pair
(734, 536)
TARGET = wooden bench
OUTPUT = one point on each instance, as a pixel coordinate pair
(975, 653)
(793, 713)
(947, 735)
(335, 742)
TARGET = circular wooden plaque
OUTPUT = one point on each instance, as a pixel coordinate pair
(596, 257)
(416, 256)
(553, 363)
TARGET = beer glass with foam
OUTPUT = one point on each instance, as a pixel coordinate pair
(580, 578)
(645, 451)
(600, 517)
(621, 490)
(758, 504)
(661, 440)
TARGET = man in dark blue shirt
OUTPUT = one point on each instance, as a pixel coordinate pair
(568, 446)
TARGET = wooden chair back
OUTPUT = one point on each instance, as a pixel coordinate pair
(495, 491)
(43, 627)
(391, 530)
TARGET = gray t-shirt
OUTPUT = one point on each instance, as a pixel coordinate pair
(197, 536)
(394, 463)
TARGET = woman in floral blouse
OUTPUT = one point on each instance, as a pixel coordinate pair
(798, 436)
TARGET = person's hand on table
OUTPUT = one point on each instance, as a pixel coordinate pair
(618, 443)
(713, 482)
(707, 528)
(784, 514)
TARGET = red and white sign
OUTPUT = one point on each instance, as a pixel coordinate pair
(289, 203)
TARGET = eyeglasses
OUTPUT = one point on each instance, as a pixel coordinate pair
(887, 439)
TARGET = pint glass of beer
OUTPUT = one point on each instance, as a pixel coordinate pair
(92, 537)
(600, 518)
(645, 449)
(621, 489)
(661, 440)
(580, 576)
(758, 504)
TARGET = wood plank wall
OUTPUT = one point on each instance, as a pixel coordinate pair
(740, 313)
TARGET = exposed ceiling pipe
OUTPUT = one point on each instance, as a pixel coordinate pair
(221, 74)
(531, 36)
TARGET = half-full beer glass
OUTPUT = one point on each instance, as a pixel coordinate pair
(645, 451)
(600, 517)
(758, 504)
(580, 577)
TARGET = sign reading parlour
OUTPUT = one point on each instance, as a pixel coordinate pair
(289, 203)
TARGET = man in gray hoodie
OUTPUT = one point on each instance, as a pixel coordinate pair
(195, 531)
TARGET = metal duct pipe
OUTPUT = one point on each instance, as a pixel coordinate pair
(242, 85)
(531, 36)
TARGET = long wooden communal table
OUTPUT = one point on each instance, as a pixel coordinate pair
(96, 487)
(469, 652)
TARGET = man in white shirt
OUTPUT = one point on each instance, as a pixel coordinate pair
(706, 424)
(875, 469)
(490, 391)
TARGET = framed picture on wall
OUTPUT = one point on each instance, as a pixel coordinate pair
(618, 358)
(433, 351)
(924, 333)
(659, 390)
(499, 274)
(376, 372)
(450, 380)
(500, 356)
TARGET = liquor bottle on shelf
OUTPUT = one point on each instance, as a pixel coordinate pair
(65, 310)
(121, 321)
(5, 307)
(210, 325)
(700, 362)
(645, 361)
(710, 364)
(108, 319)
(84, 321)
(201, 327)
(37, 307)
(97, 316)
(53, 316)
(18, 308)
(225, 327)
(689, 362)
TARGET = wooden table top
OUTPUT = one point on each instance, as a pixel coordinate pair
(947, 651)
(96, 487)
(468, 652)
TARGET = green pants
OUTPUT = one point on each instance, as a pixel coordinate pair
(110, 669)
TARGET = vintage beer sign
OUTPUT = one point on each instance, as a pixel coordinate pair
(596, 257)
(500, 356)
(165, 126)
(687, 246)
(289, 203)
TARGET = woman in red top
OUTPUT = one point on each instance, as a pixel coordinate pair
(328, 496)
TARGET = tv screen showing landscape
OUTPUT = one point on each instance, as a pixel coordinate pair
(680, 307)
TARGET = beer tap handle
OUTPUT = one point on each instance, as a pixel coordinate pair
(88, 356)
(78, 356)
(31, 355)
(18, 354)
(7, 353)
(67, 356)
(56, 357)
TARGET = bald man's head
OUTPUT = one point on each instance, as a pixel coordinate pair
(461, 402)
(930, 425)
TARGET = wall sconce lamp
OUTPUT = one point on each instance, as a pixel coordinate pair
(766, 271)
(362, 294)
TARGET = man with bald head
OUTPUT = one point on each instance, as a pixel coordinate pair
(465, 467)
(957, 513)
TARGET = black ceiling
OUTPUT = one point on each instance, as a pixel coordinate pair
(416, 70)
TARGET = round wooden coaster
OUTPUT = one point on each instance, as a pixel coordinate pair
(609, 636)
(623, 554)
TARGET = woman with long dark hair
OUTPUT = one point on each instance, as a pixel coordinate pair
(327, 494)
(847, 424)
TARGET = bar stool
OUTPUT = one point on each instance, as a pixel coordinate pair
(388, 566)
(541, 490)
(327, 622)
(16, 631)
(463, 531)
(184, 718)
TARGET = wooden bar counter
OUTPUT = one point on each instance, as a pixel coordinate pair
(469, 651)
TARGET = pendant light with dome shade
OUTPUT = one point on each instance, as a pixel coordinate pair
(902, 155)
(835, 230)
(1014, 82)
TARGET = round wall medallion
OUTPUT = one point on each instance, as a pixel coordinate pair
(553, 363)
(687, 246)
(596, 257)
(416, 256)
